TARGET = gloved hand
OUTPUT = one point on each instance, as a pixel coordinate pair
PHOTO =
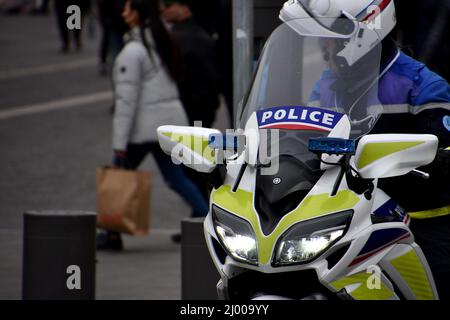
(120, 158)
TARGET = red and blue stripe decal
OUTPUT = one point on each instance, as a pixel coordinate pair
(391, 209)
(378, 241)
(368, 16)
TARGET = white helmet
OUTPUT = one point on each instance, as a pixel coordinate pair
(370, 22)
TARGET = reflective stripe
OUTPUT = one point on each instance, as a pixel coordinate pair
(375, 151)
(406, 108)
(362, 292)
(199, 145)
(412, 271)
(431, 213)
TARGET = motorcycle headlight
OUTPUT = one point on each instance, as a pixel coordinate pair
(236, 236)
(307, 240)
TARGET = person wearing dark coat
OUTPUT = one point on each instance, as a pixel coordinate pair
(199, 86)
(113, 30)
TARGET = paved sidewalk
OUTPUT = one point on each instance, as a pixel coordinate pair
(148, 269)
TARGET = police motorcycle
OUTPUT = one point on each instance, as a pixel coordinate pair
(295, 211)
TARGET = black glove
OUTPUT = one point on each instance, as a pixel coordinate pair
(442, 162)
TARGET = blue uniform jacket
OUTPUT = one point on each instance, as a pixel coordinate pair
(415, 100)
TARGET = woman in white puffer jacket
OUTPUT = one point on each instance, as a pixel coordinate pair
(146, 97)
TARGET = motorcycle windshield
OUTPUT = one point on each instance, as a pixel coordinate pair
(335, 75)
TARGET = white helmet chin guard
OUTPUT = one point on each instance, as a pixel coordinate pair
(370, 22)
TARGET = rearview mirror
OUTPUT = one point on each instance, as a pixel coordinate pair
(189, 146)
(392, 155)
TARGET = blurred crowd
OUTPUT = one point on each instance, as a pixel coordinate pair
(24, 6)
(208, 30)
(422, 28)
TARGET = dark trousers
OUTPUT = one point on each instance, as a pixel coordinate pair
(62, 16)
(433, 236)
(44, 6)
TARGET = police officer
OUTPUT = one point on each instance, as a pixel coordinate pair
(415, 100)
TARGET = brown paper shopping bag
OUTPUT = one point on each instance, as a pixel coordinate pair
(123, 200)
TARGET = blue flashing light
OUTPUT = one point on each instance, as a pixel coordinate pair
(332, 146)
(223, 142)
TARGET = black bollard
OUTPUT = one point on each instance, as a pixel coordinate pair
(59, 255)
(199, 275)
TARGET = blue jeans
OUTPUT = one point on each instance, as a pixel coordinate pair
(173, 174)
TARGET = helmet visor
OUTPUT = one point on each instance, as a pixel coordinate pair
(325, 19)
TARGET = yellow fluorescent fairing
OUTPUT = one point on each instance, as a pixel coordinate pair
(411, 269)
(240, 203)
(375, 151)
(197, 144)
(361, 289)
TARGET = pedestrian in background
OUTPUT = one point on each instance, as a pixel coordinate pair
(44, 6)
(113, 31)
(62, 16)
(199, 85)
(146, 97)
(41, 7)
(199, 88)
(17, 6)
(215, 16)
